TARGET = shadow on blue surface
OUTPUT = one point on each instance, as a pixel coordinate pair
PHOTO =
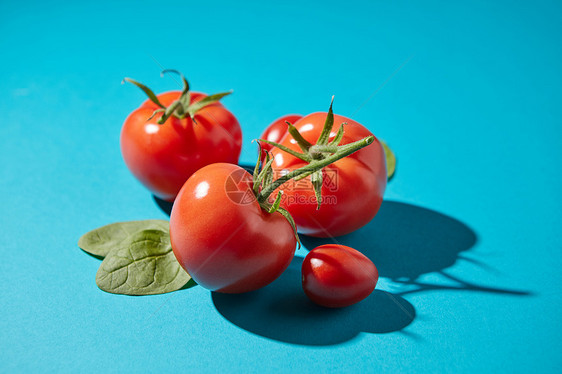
(92, 255)
(164, 205)
(405, 241)
(281, 311)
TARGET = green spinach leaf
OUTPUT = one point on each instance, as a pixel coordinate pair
(390, 160)
(143, 264)
(101, 241)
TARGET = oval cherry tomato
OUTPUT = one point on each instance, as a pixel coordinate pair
(336, 276)
(352, 188)
(163, 156)
(277, 130)
(221, 235)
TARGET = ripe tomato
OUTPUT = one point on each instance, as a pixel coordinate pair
(352, 188)
(277, 130)
(221, 235)
(335, 276)
(163, 156)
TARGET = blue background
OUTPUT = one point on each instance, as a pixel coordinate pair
(468, 243)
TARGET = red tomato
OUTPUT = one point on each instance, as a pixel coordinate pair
(277, 130)
(222, 237)
(335, 276)
(352, 188)
(163, 156)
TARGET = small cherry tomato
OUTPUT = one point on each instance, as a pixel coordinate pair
(336, 276)
(222, 236)
(163, 150)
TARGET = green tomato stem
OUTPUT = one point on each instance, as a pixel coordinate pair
(303, 156)
(183, 105)
(303, 144)
(169, 111)
(327, 129)
(319, 149)
(148, 92)
(315, 165)
(339, 136)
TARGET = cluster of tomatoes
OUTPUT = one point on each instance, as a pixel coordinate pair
(184, 147)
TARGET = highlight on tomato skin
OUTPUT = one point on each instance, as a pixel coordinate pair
(337, 276)
(277, 130)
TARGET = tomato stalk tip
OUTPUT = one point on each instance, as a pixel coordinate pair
(301, 141)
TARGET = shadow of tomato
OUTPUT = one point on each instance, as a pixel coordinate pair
(406, 241)
(281, 311)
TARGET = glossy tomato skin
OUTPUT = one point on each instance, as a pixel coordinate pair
(337, 276)
(277, 130)
(353, 187)
(224, 240)
(162, 157)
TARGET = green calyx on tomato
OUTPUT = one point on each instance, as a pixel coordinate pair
(181, 107)
(278, 128)
(318, 155)
(174, 134)
(264, 185)
(227, 232)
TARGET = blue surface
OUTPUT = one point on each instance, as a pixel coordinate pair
(468, 242)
